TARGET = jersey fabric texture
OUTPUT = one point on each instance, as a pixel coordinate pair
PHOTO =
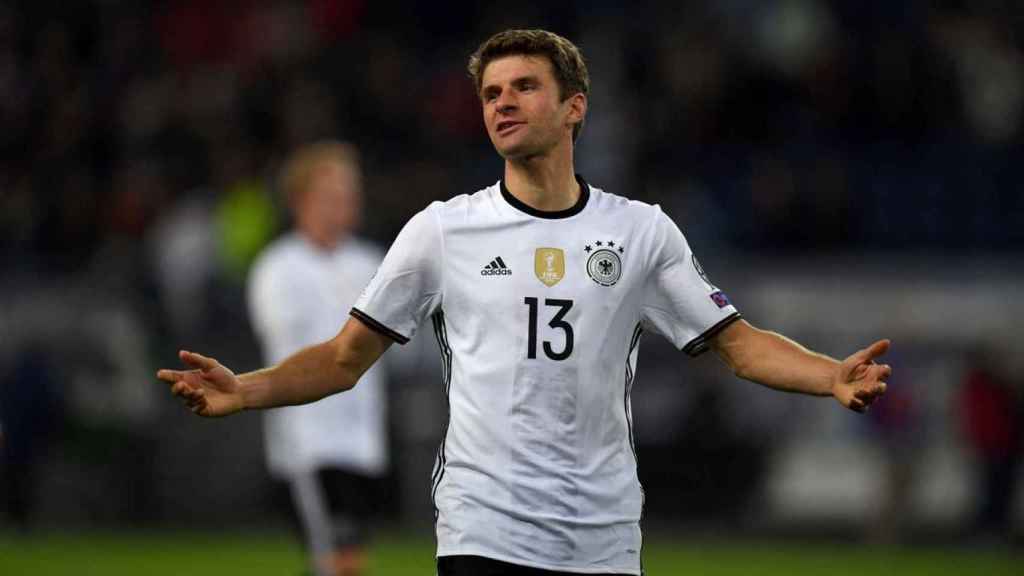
(538, 316)
(297, 293)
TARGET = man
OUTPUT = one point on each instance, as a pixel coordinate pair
(330, 452)
(538, 288)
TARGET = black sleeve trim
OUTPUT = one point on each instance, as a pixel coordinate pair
(377, 326)
(699, 345)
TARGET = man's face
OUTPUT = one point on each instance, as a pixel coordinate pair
(331, 205)
(522, 107)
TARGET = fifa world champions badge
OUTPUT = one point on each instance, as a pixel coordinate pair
(604, 263)
(549, 265)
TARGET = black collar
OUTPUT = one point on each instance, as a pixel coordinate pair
(549, 214)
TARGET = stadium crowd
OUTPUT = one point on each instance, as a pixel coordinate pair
(789, 125)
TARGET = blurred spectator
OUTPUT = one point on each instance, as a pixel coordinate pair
(333, 452)
(990, 422)
(30, 412)
(786, 112)
(898, 424)
(184, 239)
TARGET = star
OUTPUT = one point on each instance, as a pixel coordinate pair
(610, 243)
(621, 249)
(599, 243)
(588, 248)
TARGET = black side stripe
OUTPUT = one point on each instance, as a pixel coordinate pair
(440, 332)
(501, 262)
(699, 345)
(377, 326)
(633, 343)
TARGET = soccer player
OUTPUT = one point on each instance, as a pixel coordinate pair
(332, 452)
(538, 289)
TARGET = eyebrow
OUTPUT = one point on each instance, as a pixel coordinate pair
(518, 81)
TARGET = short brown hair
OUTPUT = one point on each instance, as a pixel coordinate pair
(566, 61)
(299, 168)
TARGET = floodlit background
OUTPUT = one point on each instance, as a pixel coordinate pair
(846, 170)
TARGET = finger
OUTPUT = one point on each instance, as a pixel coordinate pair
(861, 372)
(192, 393)
(196, 403)
(181, 388)
(878, 373)
(873, 351)
(871, 392)
(197, 360)
(201, 405)
(170, 375)
(867, 398)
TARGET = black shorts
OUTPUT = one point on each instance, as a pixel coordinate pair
(480, 566)
(332, 507)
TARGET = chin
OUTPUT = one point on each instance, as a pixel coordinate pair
(518, 151)
(510, 153)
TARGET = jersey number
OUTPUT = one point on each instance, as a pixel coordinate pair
(563, 308)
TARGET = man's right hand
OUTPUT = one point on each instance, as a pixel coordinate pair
(209, 389)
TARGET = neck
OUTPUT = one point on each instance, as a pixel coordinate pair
(322, 241)
(544, 182)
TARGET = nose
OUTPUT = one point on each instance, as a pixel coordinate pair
(506, 102)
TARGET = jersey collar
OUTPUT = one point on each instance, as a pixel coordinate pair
(573, 210)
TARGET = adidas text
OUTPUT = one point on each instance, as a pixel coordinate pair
(497, 267)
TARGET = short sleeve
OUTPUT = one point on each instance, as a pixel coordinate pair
(407, 287)
(680, 302)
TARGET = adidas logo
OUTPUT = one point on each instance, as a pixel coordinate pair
(496, 268)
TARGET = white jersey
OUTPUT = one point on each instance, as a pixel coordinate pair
(298, 294)
(538, 316)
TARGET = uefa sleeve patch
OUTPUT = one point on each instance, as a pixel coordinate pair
(720, 299)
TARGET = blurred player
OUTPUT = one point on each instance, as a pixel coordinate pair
(538, 289)
(330, 452)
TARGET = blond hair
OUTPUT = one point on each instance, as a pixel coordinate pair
(300, 167)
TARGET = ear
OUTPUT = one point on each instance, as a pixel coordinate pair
(577, 108)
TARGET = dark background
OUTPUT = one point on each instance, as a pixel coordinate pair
(845, 170)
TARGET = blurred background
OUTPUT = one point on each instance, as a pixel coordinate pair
(845, 170)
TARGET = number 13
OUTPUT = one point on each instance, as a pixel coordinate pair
(563, 308)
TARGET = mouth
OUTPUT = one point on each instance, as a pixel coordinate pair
(507, 126)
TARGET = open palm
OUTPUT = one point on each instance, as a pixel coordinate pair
(860, 381)
(209, 389)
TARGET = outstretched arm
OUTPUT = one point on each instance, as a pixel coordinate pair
(211, 389)
(775, 361)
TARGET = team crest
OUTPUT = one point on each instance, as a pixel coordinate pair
(549, 264)
(604, 265)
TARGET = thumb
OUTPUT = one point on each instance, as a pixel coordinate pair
(197, 360)
(871, 352)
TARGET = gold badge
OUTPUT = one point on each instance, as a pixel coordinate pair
(549, 264)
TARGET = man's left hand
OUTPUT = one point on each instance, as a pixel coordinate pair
(860, 381)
